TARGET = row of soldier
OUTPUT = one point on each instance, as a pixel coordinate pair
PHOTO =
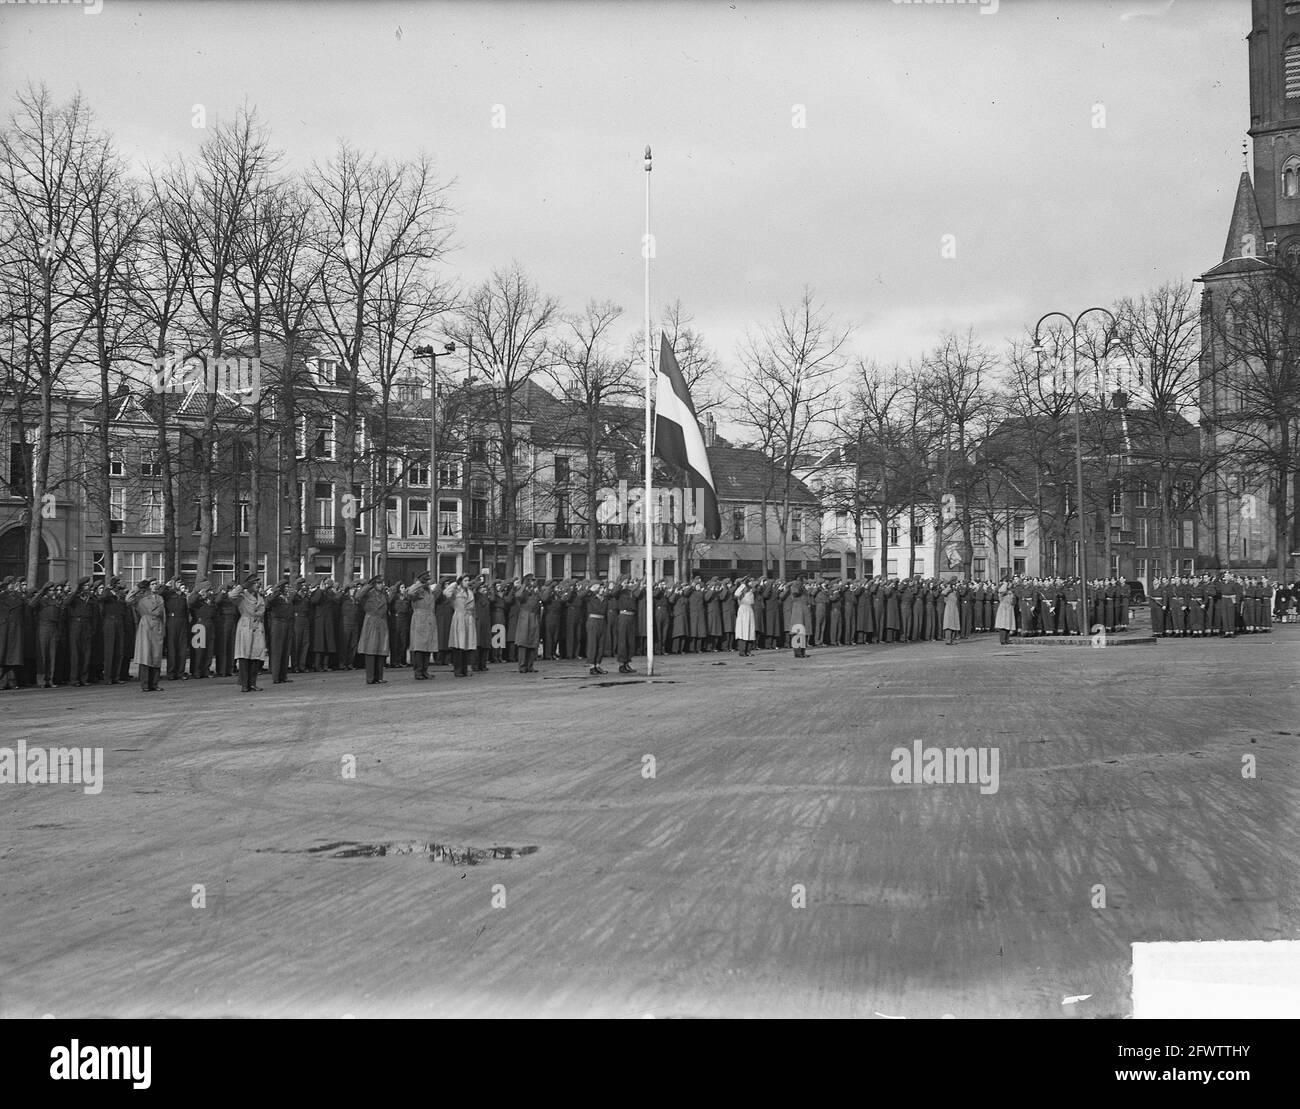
(88, 632)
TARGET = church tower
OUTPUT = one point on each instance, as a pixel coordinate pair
(1274, 51)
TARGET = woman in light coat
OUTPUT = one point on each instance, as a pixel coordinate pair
(250, 633)
(148, 633)
(745, 617)
(1005, 621)
(464, 624)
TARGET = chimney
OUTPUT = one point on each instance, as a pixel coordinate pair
(710, 429)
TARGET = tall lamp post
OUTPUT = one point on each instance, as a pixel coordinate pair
(1078, 435)
(432, 355)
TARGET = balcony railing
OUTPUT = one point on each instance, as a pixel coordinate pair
(545, 529)
(328, 535)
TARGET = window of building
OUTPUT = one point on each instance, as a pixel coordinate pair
(1019, 567)
(1189, 567)
(132, 566)
(738, 524)
(360, 515)
(561, 469)
(323, 439)
(478, 450)
(116, 509)
(979, 568)
(1114, 566)
(419, 472)
(979, 533)
(1291, 178)
(149, 464)
(669, 567)
(116, 466)
(449, 518)
(1018, 531)
(870, 535)
(1142, 531)
(198, 517)
(449, 475)
(1189, 535)
(796, 525)
(579, 564)
(891, 568)
(918, 535)
(393, 517)
(893, 535)
(98, 561)
(1140, 570)
(1291, 63)
(1142, 497)
(151, 511)
(1117, 503)
(841, 523)
(243, 517)
(324, 498)
(322, 564)
(325, 371)
(417, 516)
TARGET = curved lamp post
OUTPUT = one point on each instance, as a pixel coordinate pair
(1078, 435)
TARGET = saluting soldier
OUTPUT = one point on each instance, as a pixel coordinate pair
(149, 633)
(227, 621)
(81, 619)
(526, 615)
(463, 633)
(625, 602)
(596, 618)
(349, 618)
(301, 628)
(800, 617)
(48, 607)
(401, 626)
(112, 611)
(373, 601)
(443, 614)
(203, 615)
(424, 624)
(250, 632)
(574, 616)
(279, 629)
(1005, 620)
(176, 605)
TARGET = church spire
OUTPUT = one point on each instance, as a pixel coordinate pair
(1246, 232)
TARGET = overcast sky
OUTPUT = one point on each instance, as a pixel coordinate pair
(922, 120)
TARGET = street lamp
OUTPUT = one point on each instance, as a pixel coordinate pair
(432, 355)
(1078, 435)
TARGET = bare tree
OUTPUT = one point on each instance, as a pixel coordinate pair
(785, 393)
(595, 388)
(211, 203)
(44, 204)
(376, 214)
(506, 326)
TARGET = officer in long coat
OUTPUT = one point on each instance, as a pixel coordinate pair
(552, 620)
(250, 632)
(463, 634)
(800, 618)
(483, 622)
(527, 620)
(324, 641)
(424, 624)
(372, 599)
(574, 618)
(149, 633)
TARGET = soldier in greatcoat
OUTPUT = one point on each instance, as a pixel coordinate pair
(373, 601)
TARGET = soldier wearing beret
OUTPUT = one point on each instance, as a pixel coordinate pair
(373, 600)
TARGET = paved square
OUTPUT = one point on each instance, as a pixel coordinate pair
(669, 895)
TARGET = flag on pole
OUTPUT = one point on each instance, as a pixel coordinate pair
(678, 438)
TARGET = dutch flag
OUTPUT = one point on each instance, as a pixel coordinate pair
(678, 438)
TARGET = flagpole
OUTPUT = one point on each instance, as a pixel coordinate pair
(645, 504)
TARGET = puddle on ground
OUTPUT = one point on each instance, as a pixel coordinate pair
(436, 852)
(642, 681)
